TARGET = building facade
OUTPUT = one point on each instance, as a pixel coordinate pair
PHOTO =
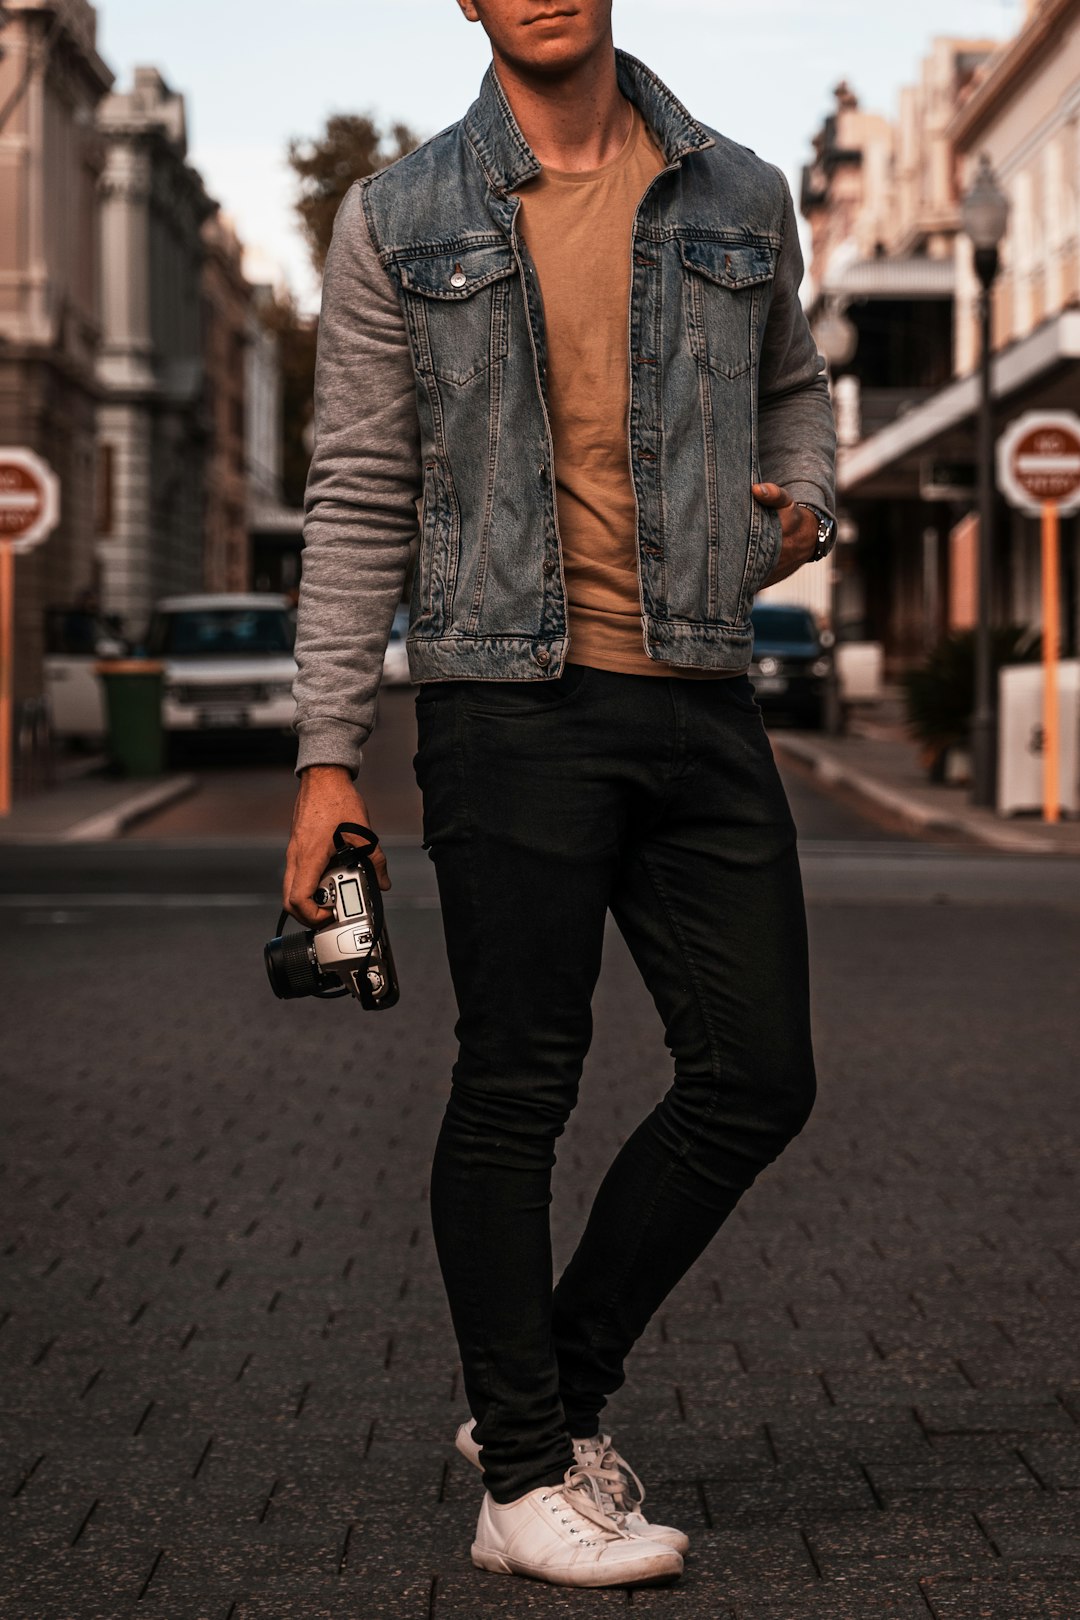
(882, 203)
(1025, 115)
(154, 427)
(275, 528)
(907, 464)
(51, 82)
(226, 317)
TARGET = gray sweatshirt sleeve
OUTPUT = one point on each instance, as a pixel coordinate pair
(796, 430)
(360, 513)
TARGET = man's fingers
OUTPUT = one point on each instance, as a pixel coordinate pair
(306, 911)
(772, 495)
(378, 861)
(300, 889)
(301, 881)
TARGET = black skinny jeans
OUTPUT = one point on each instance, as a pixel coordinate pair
(546, 805)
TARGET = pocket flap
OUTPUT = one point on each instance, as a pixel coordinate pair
(731, 264)
(457, 274)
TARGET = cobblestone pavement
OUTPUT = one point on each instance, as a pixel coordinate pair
(230, 1387)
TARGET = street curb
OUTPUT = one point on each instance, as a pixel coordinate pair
(920, 818)
(111, 823)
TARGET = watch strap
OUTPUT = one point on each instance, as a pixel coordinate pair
(826, 535)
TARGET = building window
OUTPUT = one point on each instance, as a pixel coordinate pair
(103, 489)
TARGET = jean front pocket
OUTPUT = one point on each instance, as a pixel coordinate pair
(724, 282)
(457, 304)
(738, 690)
(521, 700)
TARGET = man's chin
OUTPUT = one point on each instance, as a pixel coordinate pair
(558, 61)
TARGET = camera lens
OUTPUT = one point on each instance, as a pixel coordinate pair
(289, 966)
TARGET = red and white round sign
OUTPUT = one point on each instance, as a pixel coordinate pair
(29, 499)
(1038, 461)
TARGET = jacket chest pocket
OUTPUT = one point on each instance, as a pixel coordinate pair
(458, 307)
(724, 285)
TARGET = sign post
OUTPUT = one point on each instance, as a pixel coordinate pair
(29, 512)
(1038, 468)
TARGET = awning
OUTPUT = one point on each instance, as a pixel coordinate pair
(893, 278)
(1045, 360)
(272, 517)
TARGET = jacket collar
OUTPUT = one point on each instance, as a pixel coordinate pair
(509, 161)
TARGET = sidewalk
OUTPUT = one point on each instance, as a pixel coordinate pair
(879, 763)
(80, 808)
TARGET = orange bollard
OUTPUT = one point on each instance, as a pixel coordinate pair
(7, 670)
(1051, 617)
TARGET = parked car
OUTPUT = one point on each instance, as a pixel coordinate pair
(791, 662)
(228, 661)
(75, 638)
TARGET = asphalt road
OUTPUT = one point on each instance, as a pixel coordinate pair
(246, 789)
(230, 1385)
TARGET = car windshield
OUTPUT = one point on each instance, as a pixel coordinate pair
(224, 632)
(783, 624)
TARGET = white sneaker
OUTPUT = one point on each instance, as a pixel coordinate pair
(561, 1534)
(621, 1491)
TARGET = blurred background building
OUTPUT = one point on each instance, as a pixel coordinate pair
(156, 418)
(274, 526)
(893, 301)
(226, 317)
(135, 356)
(154, 374)
(52, 81)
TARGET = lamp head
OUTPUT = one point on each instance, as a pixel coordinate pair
(836, 336)
(984, 211)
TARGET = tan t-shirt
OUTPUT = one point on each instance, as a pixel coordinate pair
(578, 227)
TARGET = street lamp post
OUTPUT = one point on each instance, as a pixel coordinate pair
(985, 214)
(837, 339)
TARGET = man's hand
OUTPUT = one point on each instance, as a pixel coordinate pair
(800, 530)
(327, 796)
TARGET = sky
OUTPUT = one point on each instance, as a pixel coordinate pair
(256, 72)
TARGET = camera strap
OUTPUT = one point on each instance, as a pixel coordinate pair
(361, 854)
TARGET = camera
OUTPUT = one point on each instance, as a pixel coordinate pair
(350, 954)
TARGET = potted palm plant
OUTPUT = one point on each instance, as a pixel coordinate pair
(940, 695)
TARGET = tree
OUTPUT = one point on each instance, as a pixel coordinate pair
(350, 148)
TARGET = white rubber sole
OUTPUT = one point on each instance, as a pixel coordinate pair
(666, 1567)
(678, 1541)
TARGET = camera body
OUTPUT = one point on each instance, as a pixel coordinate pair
(350, 954)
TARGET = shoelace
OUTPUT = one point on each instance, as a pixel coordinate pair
(630, 1492)
(622, 1492)
(583, 1492)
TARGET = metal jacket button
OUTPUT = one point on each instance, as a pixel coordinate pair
(543, 657)
(459, 278)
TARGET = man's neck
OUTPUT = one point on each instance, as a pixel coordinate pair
(574, 123)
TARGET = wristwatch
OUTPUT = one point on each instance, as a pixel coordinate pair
(826, 530)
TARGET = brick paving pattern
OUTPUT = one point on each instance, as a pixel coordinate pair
(230, 1386)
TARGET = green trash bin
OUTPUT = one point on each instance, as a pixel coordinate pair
(133, 706)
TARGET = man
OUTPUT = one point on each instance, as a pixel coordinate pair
(569, 328)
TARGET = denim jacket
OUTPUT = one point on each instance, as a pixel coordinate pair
(431, 415)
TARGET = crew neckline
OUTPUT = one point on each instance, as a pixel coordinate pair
(580, 177)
